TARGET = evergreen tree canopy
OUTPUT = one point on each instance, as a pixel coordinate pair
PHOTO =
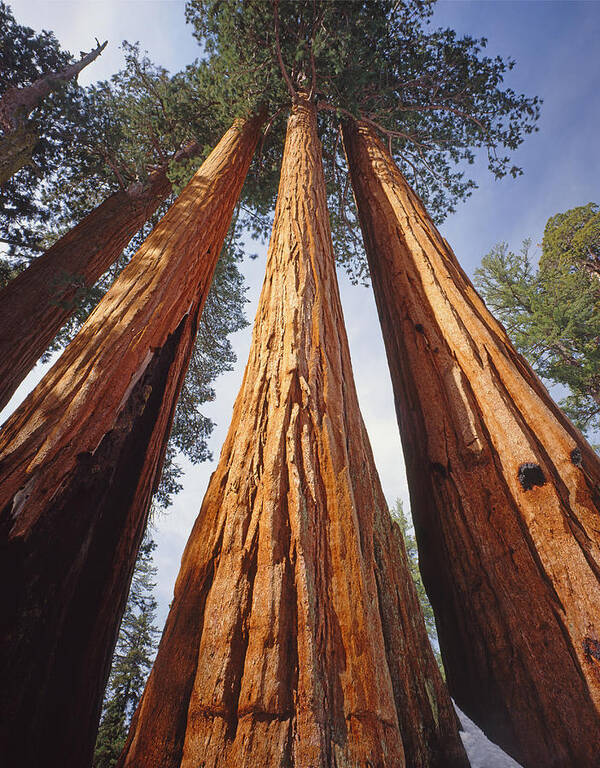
(436, 97)
(552, 312)
(58, 122)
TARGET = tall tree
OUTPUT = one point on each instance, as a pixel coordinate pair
(55, 128)
(92, 436)
(552, 312)
(37, 303)
(504, 491)
(132, 660)
(438, 97)
(18, 137)
(295, 636)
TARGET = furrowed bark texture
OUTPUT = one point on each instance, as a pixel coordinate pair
(504, 491)
(295, 636)
(39, 301)
(79, 461)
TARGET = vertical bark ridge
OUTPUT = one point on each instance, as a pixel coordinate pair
(79, 461)
(504, 490)
(39, 301)
(282, 647)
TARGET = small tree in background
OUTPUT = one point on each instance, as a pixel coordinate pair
(132, 660)
(551, 311)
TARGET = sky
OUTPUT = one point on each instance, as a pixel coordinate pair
(555, 45)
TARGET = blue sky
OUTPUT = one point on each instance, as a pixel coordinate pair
(556, 48)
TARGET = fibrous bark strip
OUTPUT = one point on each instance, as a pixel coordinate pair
(295, 637)
(504, 491)
(79, 461)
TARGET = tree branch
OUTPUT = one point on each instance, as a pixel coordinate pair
(284, 72)
(17, 104)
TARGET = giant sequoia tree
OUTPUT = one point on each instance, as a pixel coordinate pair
(504, 491)
(36, 304)
(145, 134)
(435, 98)
(295, 636)
(79, 461)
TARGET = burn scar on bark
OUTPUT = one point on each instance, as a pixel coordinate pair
(531, 474)
(576, 457)
(591, 649)
(135, 378)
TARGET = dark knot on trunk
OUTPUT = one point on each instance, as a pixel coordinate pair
(531, 474)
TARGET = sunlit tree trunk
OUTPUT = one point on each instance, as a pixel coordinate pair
(295, 636)
(39, 301)
(504, 491)
(79, 461)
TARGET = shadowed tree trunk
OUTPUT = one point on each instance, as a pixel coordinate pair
(79, 461)
(39, 301)
(16, 149)
(17, 103)
(504, 491)
(295, 636)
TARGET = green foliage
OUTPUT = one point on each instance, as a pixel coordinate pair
(435, 97)
(59, 121)
(132, 660)
(552, 312)
(573, 238)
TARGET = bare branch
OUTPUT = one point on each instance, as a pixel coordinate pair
(17, 104)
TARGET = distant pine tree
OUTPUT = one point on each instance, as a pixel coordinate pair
(399, 516)
(551, 310)
(132, 660)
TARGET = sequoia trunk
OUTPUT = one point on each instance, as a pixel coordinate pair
(79, 461)
(504, 491)
(295, 636)
(39, 301)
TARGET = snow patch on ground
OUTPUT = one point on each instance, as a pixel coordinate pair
(482, 752)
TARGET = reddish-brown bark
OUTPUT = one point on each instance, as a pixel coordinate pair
(504, 490)
(39, 301)
(79, 461)
(295, 637)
